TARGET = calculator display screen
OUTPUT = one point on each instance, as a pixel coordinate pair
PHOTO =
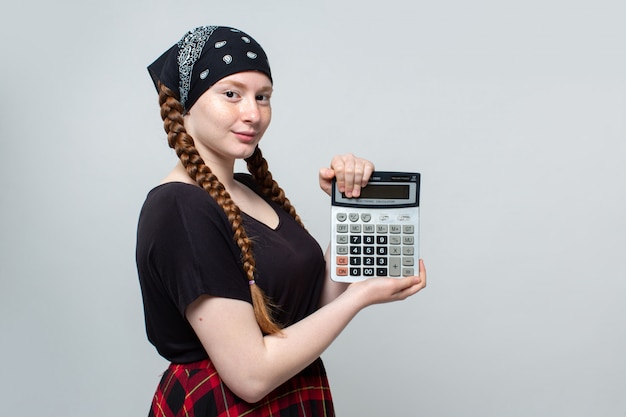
(387, 191)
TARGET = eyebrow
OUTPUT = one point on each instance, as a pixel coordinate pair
(244, 86)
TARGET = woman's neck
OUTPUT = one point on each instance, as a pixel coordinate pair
(224, 174)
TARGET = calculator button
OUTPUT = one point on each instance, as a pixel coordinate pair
(368, 240)
(342, 239)
(368, 272)
(355, 239)
(394, 267)
(408, 272)
(381, 250)
(368, 250)
(355, 260)
(408, 250)
(342, 228)
(341, 217)
(355, 272)
(341, 271)
(408, 240)
(368, 260)
(355, 228)
(408, 262)
(353, 217)
(381, 240)
(381, 272)
(408, 229)
(342, 260)
(355, 250)
(395, 240)
(381, 261)
(381, 228)
(395, 251)
(395, 229)
(369, 228)
(366, 217)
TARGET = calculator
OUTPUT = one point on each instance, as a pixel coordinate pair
(376, 234)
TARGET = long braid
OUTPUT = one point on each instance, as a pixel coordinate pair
(182, 143)
(257, 166)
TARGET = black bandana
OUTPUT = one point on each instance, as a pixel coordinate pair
(204, 56)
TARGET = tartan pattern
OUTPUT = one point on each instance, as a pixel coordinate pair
(196, 390)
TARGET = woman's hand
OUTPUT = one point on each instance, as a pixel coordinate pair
(384, 290)
(351, 172)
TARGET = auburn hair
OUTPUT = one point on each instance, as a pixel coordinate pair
(178, 139)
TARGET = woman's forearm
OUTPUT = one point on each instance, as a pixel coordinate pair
(252, 365)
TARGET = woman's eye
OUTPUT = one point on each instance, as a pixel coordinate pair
(263, 97)
(230, 94)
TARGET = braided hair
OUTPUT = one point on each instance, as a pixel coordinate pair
(183, 144)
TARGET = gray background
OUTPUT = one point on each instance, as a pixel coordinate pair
(514, 113)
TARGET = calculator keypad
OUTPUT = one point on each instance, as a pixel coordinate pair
(374, 245)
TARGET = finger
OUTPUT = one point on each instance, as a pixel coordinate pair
(422, 272)
(325, 179)
(368, 169)
(358, 170)
(406, 283)
(404, 294)
(414, 284)
(349, 174)
(327, 173)
(418, 285)
(404, 288)
(362, 172)
(338, 168)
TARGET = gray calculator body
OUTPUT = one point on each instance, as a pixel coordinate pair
(376, 234)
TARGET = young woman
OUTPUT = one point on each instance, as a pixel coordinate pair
(236, 292)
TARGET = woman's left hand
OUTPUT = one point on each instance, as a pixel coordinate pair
(351, 172)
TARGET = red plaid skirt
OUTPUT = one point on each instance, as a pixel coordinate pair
(196, 390)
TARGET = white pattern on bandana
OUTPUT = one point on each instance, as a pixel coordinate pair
(190, 49)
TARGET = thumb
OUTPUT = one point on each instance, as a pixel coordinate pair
(327, 174)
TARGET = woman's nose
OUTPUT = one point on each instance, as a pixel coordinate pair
(250, 110)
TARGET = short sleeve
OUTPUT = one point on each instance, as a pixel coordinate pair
(186, 244)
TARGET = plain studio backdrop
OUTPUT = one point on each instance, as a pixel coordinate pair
(514, 113)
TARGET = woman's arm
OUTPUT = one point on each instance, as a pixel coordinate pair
(251, 364)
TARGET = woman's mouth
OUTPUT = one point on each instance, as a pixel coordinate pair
(246, 136)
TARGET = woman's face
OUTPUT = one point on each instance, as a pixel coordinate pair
(229, 119)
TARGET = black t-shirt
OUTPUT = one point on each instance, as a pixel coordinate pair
(185, 249)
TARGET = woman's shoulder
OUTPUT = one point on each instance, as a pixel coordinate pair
(179, 199)
(174, 189)
(174, 193)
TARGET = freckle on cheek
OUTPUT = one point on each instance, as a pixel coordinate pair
(200, 319)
